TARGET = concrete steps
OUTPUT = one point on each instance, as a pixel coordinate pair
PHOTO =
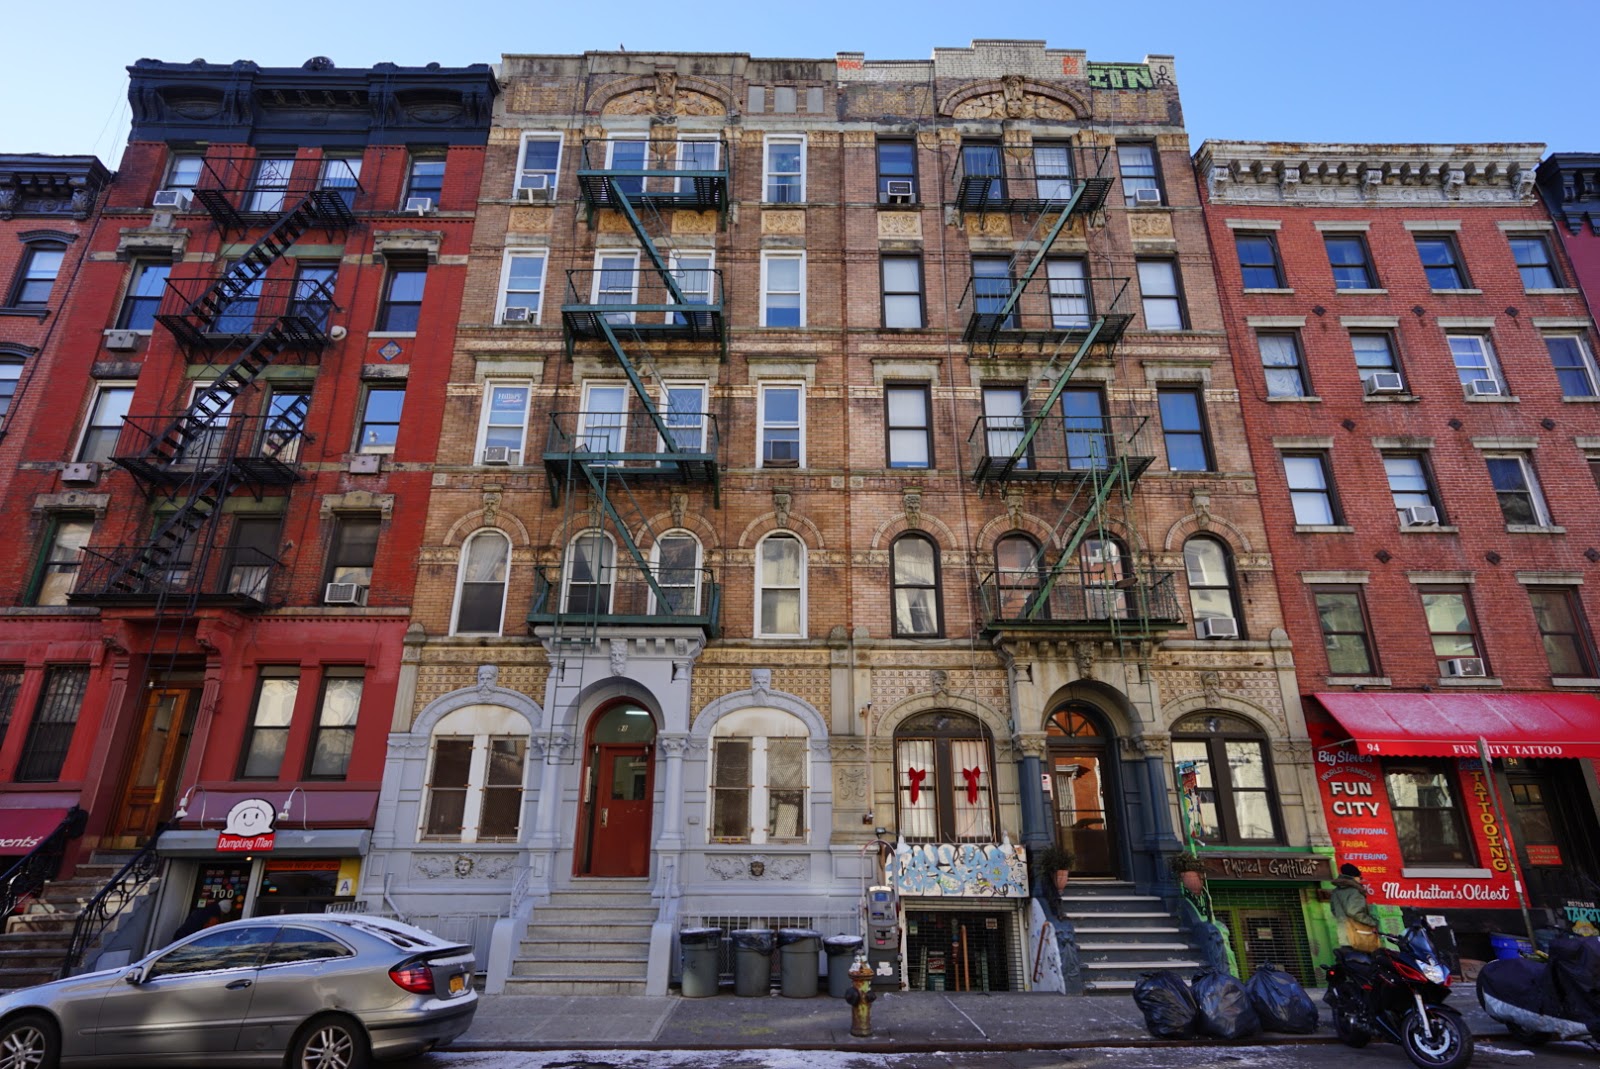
(36, 948)
(1122, 934)
(587, 941)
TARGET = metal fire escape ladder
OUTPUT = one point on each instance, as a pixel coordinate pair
(1097, 489)
(1020, 453)
(1021, 282)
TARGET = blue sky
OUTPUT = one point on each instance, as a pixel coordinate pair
(1396, 70)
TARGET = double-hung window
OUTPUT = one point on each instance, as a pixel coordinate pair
(480, 600)
(783, 289)
(1350, 261)
(785, 177)
(104, 426)
(914, 579)
(1141, 183)
(1086, 428)
(991, 287)
(1053, 172)
(1259, 265)
(402, 300)
(1209, 568)
(910, 426)
(146, 285)
(1158, 290)
(759, 778)
(1517, 487)
(10, 373)
(1003, 425)
(1452, 625)
(1573, 363)
(1069, 293)
(333, 735)
(782, 420)
(1475, 364)
(184, 171)
(1346, 631)
(505, 422)
(780, 587)
(981, 167)
(1411, 487)
(355, 553)
(1374, 352)
(590, 574)
(58, 571)
(539, 166)
(1568, 645)
(902, 291)
(426, 178)
(342, 174)
(1534, 262)
(40, 266)
(1311, 489)
(1441, 261)
(252, 552)
(267, 735)
(1284, 367)
(380, 419)
(1183, 429)
(696, 280)
(897, 172)
(675, 561)
(1427, 821)
(522, 286)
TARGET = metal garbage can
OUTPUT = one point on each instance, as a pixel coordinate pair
(798, 948)
(752, 961)
(841, 951)
(701, 948)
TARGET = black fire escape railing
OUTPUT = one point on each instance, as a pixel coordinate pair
(39, 866)
(103, 909)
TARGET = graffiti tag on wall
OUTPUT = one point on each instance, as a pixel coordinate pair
(960, 870)
(1123, 76)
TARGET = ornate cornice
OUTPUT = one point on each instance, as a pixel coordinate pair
(50, 185)
(1258, 172)
(1570, 182)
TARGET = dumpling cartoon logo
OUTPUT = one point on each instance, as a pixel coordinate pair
(249, 826)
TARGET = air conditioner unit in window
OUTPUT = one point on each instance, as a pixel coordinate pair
(1464, 666)
(514, 315)
(420, 205)
(81, 474)
(1385, 382)
(122, 341)
(172, 200)
(1219, 627)
(498, 454)
(782, 454)
(1146, 195)
(899, 191)
(365, 464)
(1419, 516)
(534, 188)
(1484, 388)
(345, 594)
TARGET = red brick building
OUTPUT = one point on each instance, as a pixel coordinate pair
(1418, 384)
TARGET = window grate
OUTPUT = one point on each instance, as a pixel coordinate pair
(962, 950)
(45, 749)
(1267, 926)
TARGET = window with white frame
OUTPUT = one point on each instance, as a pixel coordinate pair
(522, 285)
(481, 591)
(780, 587)
(692, 271)
(783, 289)
(104, 425)
(1475, 363)
(616, 281)
(683, 409)
(697, 154)
(505, 422)
(590, 574)
(675, 561)
(782, 425)
(539, 165)
(1517, 488)
(476, 766)
(1573, 363)
(785, 169)
(759, 777)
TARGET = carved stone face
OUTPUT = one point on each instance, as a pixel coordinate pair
(758, 868)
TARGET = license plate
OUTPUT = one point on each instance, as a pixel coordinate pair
(458, 983)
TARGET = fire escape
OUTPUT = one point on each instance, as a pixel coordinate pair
(1043, 302)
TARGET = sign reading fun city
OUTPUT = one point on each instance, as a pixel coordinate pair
(249, 828)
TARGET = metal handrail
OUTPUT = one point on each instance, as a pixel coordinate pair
(40, 865)
(104, 908)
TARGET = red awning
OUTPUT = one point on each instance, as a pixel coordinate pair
(23, 829)
(1449, 725)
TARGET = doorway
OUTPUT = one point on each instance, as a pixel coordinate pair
(1080, 769)
(1554, 828)
(159, 748)
(614, 821)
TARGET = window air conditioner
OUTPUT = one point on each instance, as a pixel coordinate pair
(1419, 516)
(782, 454)
(365, 464)
(514, 315)
(173, 200)
(1146, 195)
(534, 188)
(81, 474)
(899, 191)
(1483, 388)
(420, 205)
(345, 594)
(1385, 382)
(122, 341)
(497, 454)
(1219, 627)
(1464, 666)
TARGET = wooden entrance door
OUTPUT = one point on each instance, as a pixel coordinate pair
(151, 782)
(619, 794)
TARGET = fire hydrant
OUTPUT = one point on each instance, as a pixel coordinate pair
(861, 997)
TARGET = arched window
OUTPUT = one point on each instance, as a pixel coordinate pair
(759, 777)
(914, 577)
(944, 779)
(475, 771)
(590, 574)
(481, 596)
(676, 562)
(1018, 571)
(1103, 569)
(781, 587)
(1223, 761)
(1211, 595)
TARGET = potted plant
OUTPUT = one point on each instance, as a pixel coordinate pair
(1189, 870)
(1056, 863)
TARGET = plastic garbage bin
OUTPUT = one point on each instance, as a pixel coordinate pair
(700, 947)
(798, 949)
(841, 951)
(752, 961)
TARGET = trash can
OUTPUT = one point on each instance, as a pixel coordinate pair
(700, 947)
(798, 948)
(1509, 947)
(841, 951)
(752, 961)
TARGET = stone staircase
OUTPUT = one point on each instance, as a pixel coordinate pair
(34, 952)
(587, 941)
(1122, 934)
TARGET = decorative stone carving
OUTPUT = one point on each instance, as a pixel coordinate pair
(1014, 502)
(912, 502)
(488, 676)
(989, 225)
(851, 783)
(757, 866)
(150, 242)
(619, 656)
(407, 244)
(665, 103)
(530, 219)
(1149, 224)
(491, 506)
(1201, 502)
(647, 102)
(1212, 683)
(673, 745)
(694, 222)
(463, 866)
(761, 682)
(678, 504)
(781, 500)
(900, 225)
(1013, 101)
(357, 501)
(783, 221)
(939, 681)
(1083, 656)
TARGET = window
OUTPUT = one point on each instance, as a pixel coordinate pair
(991, 287)
(104, 427)
(1310, 490)
(1258, 260)
(1232, 778)
(184, 171)
(683, 410)
(1053, 170)
(1086, 428)
(786, 169)
(1102, 571)
(1374, 354)
(902, 291)
(1004, 423)
(380, 419)
(252, 551)
(480, 600)
(944, 779)
(897, 162)
(313, 292)
(1183, 428)
(267, 736)
(1346, 633)
(1137, 162)
(701, 153)
(505, 421)
(1207, 563)
(10, 687)
(1410, 484)
(522, 286)
(783, 289)
(238, 316)
(333, 738)
(401, 307)
(10, 373)
(1019, 571)
(1475, 363)
(759, 777)
(1352, 266)
(1286, 372)
(1069, 293)
(229, 949)
(58, 571)
(41, 263)
(1427, 822)
(1574, 364)
(692, 271)
(426, 178)
(1158, 287)
(780, 587)
(980, 160)
(910, 426)
(782, 426)
(474, 783)
(675, 560)
(355, 550)
(267, 184)
(342, 174)
(540, 164)
(590, 574)
(914, 580)
(1521, 502)
(1534, 262)
(627, 154)
(1568, 645)
(604, 419)
(44, 751)
(145, 287)
(1451, 625)
(1441, 262)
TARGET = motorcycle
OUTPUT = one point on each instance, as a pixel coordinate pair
(1398, 994)
(1539, 1001)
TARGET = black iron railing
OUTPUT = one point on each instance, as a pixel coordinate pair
(1055, 447)
(238, 575)
(39, 866)
(1045, 177)
(1011, 599)
(108, 903)
(623, 595)
(1057, 303)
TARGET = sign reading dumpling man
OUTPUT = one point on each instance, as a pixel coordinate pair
(960, 870)
(249, 828)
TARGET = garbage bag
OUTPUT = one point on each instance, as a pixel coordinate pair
(1169, 1009)
(1575, 960)
(1280, 1002)
(1224, 1006)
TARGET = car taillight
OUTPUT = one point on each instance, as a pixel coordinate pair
(416, 978)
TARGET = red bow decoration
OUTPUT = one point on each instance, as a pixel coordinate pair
(916, 776)
(971, 776)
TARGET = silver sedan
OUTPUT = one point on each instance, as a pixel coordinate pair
(333, 990)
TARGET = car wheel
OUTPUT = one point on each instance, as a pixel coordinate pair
(29, 1042)
(327, 1043)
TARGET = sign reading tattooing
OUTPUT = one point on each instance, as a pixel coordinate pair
(249, 828)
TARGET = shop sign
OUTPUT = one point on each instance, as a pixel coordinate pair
(249, 828)
(960, 870)
(1267, 866)
(1544, 854)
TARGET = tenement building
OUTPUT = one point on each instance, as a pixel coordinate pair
(1417, 375)
(842, 483)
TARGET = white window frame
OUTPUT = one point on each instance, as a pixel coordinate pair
(170, 178)
(762, 422)
(761, 586)
(655, 567)
(1486, 347)
(680, 163)
(757, 726)
(100, 390)
(583, 428)
(569, 556)
(646, 161)
(505, 281)
(485, 534)
(489, 387)
(767, 173)
(673, 265)
(1530, 478)
(767, 257)
(600, 257)
(522, 159)
(703, 412)
(482, 724)
(1585, 359)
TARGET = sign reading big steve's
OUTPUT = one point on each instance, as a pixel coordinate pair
(1355, 798)
(249, 828)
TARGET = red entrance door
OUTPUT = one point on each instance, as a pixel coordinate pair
(619, 794)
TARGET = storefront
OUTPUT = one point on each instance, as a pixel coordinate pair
(1269, 905)
(964, 915)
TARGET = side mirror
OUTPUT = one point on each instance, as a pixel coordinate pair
(134, 976)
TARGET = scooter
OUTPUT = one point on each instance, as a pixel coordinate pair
(1543, 1000)
(1398, 994)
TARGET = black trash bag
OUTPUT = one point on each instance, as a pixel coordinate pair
(1169, 1009)
(1280, 1001)
(1575, 961)
(1224, 1006)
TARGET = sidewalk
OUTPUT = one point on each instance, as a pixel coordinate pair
(902, 1022)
